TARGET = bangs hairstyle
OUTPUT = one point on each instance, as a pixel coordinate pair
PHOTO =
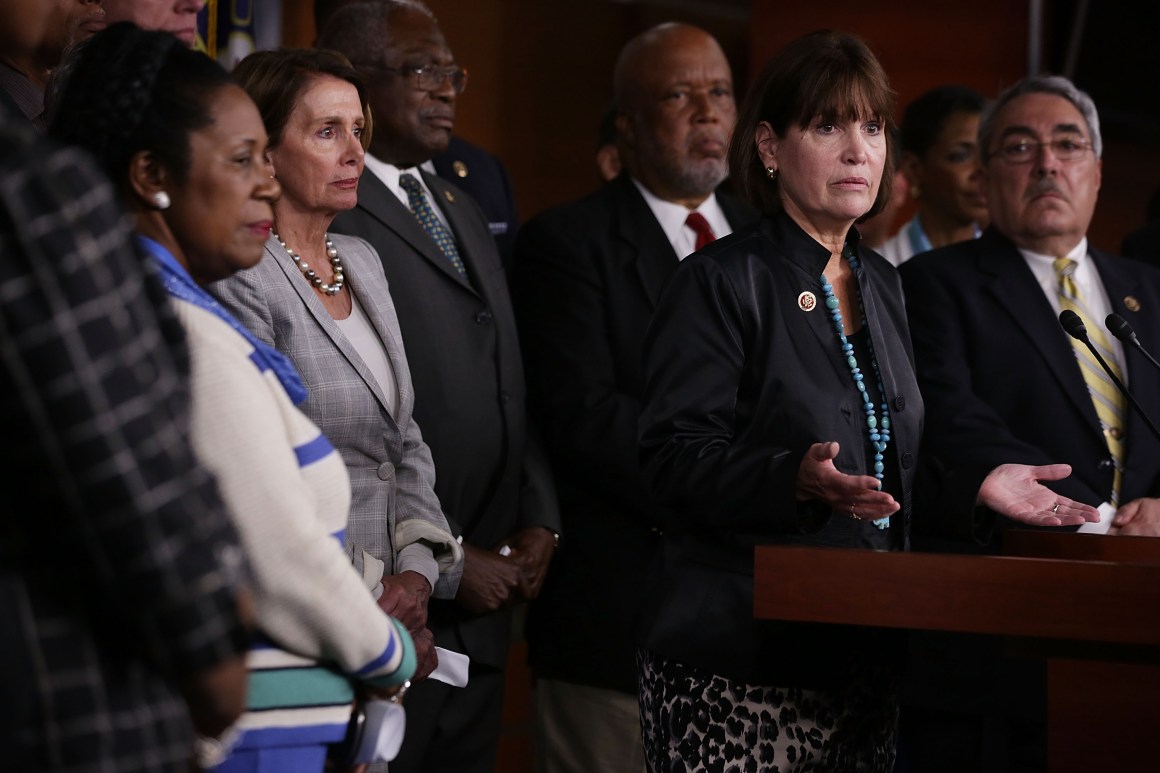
(825, 76)
(275, 80)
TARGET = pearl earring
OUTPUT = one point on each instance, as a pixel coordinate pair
(160, 200)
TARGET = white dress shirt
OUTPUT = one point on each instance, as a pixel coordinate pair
(389, 175)
(1088, 283)
(672, 219)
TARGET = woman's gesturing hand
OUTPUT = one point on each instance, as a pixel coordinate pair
(857, 495)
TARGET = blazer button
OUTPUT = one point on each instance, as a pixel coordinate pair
(1104, 465)
(483, 318)
(386, 471)
(900, 403)
(907, 459)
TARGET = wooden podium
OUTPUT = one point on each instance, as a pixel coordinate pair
(1089, 604)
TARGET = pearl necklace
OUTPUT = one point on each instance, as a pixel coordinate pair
(336, 282)
(877, 430)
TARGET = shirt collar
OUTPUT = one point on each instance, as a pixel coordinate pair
(672, 216)
(799, 247)
(1078, 253)
(389, 174)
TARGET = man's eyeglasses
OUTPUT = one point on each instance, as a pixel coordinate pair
(428, 77)
(1025, 151)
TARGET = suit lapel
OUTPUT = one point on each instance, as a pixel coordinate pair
(375, 198)
(451, 201)
(639, 230)
(393, 343)
(1018, 295)
(1142, 376)
(316, 310)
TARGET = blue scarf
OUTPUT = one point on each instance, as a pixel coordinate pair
(180, 285)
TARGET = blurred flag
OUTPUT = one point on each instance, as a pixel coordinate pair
(228, 30)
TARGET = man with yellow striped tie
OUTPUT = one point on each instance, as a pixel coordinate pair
(1003, 382)
(1001, 379)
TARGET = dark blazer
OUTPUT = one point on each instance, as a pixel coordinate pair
(998, 372)
(586, 279)
(491, 476)
(1001, 384)
(483, 176)
(740, 381)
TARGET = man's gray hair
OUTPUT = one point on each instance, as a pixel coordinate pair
(358, 30)
(1041, 84)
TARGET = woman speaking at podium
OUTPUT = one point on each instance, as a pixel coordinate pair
(781, 407)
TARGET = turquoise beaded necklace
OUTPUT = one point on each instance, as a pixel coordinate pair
(878, 430)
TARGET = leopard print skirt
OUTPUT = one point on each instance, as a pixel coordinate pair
(692, 720)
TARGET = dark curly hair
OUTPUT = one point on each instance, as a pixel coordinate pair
(127, 90)
(928, 114)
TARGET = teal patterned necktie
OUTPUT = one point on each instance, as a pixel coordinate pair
(430, 222)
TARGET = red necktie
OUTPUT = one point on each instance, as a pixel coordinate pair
(700, 226)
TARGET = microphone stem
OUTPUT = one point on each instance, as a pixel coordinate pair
(1140, 348)
(1123, 389)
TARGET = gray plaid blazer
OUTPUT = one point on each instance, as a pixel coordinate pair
(392, 476)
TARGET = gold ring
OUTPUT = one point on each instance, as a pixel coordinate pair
(1055, 509)
(852, 513)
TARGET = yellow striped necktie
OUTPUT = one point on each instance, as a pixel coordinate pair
(1107, 399)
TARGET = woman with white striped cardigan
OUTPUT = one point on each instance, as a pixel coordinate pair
(187, 149)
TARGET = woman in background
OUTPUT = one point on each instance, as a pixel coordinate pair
(940, 158)
(322, 300)
(186, 149)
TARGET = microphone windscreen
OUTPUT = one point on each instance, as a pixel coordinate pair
(1072, 324)
(1119, 327)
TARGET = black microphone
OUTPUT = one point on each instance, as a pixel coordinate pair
(1075, 328)
(1119, 327)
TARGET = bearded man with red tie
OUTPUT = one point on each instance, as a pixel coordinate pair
(586, 280)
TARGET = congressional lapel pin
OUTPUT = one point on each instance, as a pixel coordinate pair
(460, 168)
(449, 196)
(807, 301)
(1131, 303)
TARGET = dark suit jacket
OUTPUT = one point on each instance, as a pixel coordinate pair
(473, 169)
(999, 376)
(490, 474)
(739, 382)
(1001, 384)
(587, 276)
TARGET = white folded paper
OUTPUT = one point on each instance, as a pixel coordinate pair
(452, 668)
(386, 722)
(1107, 512)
